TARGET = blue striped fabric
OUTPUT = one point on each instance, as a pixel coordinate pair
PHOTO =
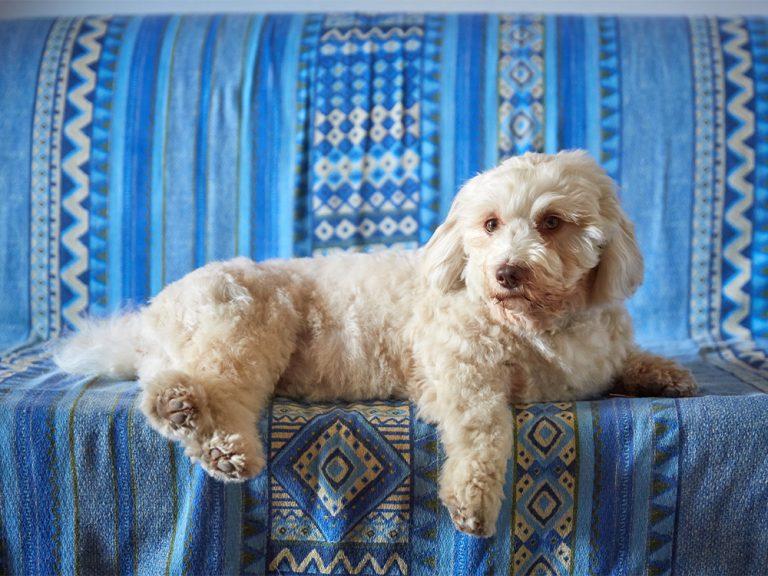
(138, 148)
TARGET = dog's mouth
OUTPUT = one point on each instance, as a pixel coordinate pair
(509, 296)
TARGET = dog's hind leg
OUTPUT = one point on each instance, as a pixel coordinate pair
(221, 345)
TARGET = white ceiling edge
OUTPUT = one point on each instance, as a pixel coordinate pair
(42, 8)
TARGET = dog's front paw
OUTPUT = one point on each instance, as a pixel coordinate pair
(231, 458)
(473, 498)
(646, 374)
(677, 382)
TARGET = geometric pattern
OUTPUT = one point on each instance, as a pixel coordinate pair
(521, 85)
(721, 266)
(365, 171)
(99, 165)
(546, 470)
(123, 162)
(75, 180)
(339, 479)
(429, 209)
(758, 32)
(709, 176)
(46, 178)
(664, 486)
(610, 96)
(302, 212)
(740, 123)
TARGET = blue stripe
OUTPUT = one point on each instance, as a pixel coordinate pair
(612, 488)
(658, 179)
(125, 510)
(223, 141)
(179, 165)
(206, 523)
(245, 150)
(33, 454)
(585, 484)
(164, 85)
(118, 190)
(287, 170)
(138, 151)
(233, 528)
(592, 85)
(23, 44)
(448, 114)
(490, 90)
(268, 117)
(201, 149)
(263, 119)
(572, 97)
(758, 28)
(551, 73)
(185, 483)
(12, 513)
(470, 71)
(642, 457)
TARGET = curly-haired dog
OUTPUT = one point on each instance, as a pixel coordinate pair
(518, 297)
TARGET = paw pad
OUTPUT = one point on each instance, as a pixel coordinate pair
(224, 458)
(178, 407)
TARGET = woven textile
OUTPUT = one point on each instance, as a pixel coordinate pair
(137, 148)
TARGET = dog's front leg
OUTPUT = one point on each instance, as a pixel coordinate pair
(475, 424)
(646, 374)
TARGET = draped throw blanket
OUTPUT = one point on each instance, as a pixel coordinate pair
(137, 148)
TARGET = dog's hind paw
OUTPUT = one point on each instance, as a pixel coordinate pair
(179, 408)
(175, 407)
(231, 458)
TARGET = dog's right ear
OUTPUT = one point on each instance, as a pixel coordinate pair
(444, 256)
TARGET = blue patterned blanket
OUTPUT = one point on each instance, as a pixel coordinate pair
(136, 149)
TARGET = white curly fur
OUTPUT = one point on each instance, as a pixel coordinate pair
(432, 325)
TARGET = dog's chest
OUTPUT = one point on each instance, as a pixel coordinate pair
(568, 365)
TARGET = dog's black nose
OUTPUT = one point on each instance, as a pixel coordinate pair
(509, 276)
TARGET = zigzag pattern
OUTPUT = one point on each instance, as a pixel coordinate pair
(738, 178)
(313, 560)
(746, 361)
(360, 34)
(610, 97)
(73, 166)
(663, 498)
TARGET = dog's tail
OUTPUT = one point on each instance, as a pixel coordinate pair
(103, 347)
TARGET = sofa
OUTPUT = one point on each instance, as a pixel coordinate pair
(135, 149)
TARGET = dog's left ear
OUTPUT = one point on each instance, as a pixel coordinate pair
(444, 256)
(620, 270)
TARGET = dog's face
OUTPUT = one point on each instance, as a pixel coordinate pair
(537, 237)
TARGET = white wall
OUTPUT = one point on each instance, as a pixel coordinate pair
(27, 8)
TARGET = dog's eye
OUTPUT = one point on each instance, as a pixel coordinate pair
(551, 223)
(491, 225)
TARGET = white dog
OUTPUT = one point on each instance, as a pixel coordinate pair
(518, 297)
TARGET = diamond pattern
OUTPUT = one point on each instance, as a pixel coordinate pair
(545, 469)
(338, 468)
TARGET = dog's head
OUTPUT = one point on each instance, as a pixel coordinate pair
(536, 237)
